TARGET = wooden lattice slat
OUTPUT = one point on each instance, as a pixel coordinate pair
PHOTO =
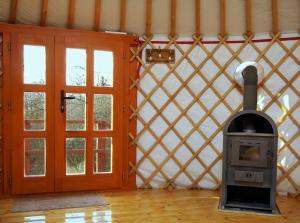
(1, 86)
(210, 55)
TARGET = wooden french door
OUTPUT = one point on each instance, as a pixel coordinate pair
(88, 113)
(32, 101)
(67, 112)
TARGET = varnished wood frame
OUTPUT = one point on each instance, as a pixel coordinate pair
(129, 69)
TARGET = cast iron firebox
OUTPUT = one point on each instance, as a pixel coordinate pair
(250, 155)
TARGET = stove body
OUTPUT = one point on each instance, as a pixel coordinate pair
(249, 156)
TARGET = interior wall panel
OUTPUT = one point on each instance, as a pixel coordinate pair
(235, 13)
(161, 11)
(289, 14)
(4, 10)
(262, 16)
(185, 17)
(135, 16)
(82, 19)
(29, 11)
(57, 13)
(210, 16)
(110, 15)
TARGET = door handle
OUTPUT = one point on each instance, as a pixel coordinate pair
(62, 100)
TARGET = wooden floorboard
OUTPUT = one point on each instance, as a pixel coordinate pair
(154, 206)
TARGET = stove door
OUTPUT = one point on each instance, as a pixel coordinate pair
(250, 152)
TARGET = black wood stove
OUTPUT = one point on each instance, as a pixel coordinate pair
(250, 155)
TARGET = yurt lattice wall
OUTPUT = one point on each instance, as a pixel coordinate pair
(182, 107)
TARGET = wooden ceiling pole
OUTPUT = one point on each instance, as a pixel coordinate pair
(97, 15)
(197, 18)
(44, 12)
(223, 18)
(122, 15)
(275, 24)
(71, 14)
(148, 18)
(248, 13)
(173, 18)
(13, 11)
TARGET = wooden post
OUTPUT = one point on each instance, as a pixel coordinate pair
(122, 15)
(97, 15)
(13, 11)
(275, 25)
(44, 12)
(222, 18)
(173, 18)
(148, 17)
(197, 18)
(71, 14)
(248, 13)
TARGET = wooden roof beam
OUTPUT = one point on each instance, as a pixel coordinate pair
(198, 18)
(71, 14)
(148, 18)
(97, 15)
(223, 18)
(248, 13)
(13, 11)
(173, 18)
(122, 15)
(44, 12)
(275, 23)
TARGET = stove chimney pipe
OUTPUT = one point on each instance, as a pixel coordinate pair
(250, 88)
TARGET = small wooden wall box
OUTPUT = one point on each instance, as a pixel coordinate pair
(160, 55)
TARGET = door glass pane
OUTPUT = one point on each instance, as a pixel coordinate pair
(34, 61)
(34, 111)
(75, 156)
(103, 111)
(103, 68)
(102, 155)
(34, 157)
(76, 67)
(75, 112)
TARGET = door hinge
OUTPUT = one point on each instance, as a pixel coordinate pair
(9, 180)
(9, 46)
(124, 176)
(9, 107)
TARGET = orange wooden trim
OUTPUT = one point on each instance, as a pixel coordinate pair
(197, 18)
(122, 15)
(13, 11)
(71, 14)
(148, 17)
(44, 12)
(173, 18)
(223, 18)
(275, 23)
(97, 15)
(248, 13)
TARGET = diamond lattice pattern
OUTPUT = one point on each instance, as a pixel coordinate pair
(182, 108)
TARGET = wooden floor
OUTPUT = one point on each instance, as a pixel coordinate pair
(154, 206)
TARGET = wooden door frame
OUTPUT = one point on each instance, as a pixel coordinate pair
(130, 95)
